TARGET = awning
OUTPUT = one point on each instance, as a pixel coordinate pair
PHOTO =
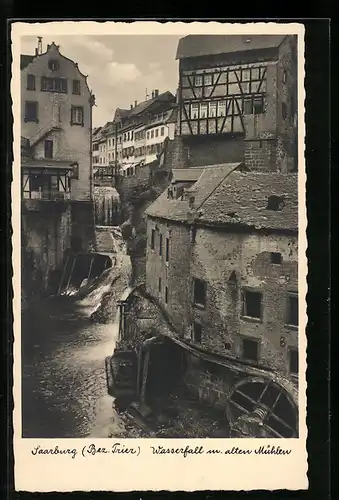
(129, 165)
(49, 164)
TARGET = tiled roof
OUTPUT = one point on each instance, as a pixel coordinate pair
(177, 209)
(202, 45)
(242, 199)
(225, 195)
(25, 60)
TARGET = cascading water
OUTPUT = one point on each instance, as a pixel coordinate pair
(65, 342)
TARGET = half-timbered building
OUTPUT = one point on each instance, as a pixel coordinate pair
(238, 99)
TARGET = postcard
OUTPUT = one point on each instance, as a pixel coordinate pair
(159, 256)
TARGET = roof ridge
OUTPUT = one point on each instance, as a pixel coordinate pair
(216, 187)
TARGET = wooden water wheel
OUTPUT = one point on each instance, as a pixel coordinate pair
(260, 407)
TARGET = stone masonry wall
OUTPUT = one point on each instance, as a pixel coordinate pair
(215, 257)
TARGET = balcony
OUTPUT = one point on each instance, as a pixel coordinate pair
(42, 201)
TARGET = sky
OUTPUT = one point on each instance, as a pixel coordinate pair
(119, 67)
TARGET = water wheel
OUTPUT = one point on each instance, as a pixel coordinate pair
(262, 408)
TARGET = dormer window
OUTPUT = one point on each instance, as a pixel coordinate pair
(191, 201)
(53, 64)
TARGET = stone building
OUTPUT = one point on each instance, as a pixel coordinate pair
(222, 262)
(238, 101)
(56, 161)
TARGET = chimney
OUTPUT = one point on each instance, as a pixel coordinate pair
(152, 94)
(39, 45)
(135, 103)
(156, 92)
(131, 106)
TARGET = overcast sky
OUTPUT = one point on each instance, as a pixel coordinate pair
(119, 67)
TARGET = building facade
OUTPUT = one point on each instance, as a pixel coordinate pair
(136, 135)
(222, 262)
(56, 161)
(238, 100)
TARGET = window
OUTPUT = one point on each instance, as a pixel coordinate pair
(275, 203)
(194, 111)
(30, 82)
(54, 84)
(160, 244)
(292, 310)
(76, 87)
(167, 249)
(166, 294)
(48, 148)
(77, 115)
(198, 80)
(221, 108)
(159, 285)
(53, 64)
(147, 135)
(203, 110)
(132, 135)
(250, 349)
(199, 292)
(276, 258)
(251, 304)
(246, 75)
(197, 328)
(284, 78)
(284, 110)
(152, 238)
(156, 132)
(248, 108)
(212, 109)
(293, 361)
(162, 132)
(258, 106)
(109, 156)
(31, 111)
(152, 134)
(208, 79)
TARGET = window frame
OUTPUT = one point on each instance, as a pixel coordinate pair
(244, 316)
(49, 141)
(295, 351)
(295, 295)
(160, 244)
(254, 340)
(194, 325)
(63, 88)
(167, 242)
(27, 119)
(77, 82)
(199, 305)
(74, 110)
(30, 78)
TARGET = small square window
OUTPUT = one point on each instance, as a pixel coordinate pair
(276, 258)
(197, 329)
(292, 310)
(198, 80)
(199, 292)
(293, 361)
(251, 305)
(53, 64)
(208, 79)
(250, 349)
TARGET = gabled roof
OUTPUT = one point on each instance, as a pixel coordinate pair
(208, 178)
(242, 199)
(202, 45)
(226, 196)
